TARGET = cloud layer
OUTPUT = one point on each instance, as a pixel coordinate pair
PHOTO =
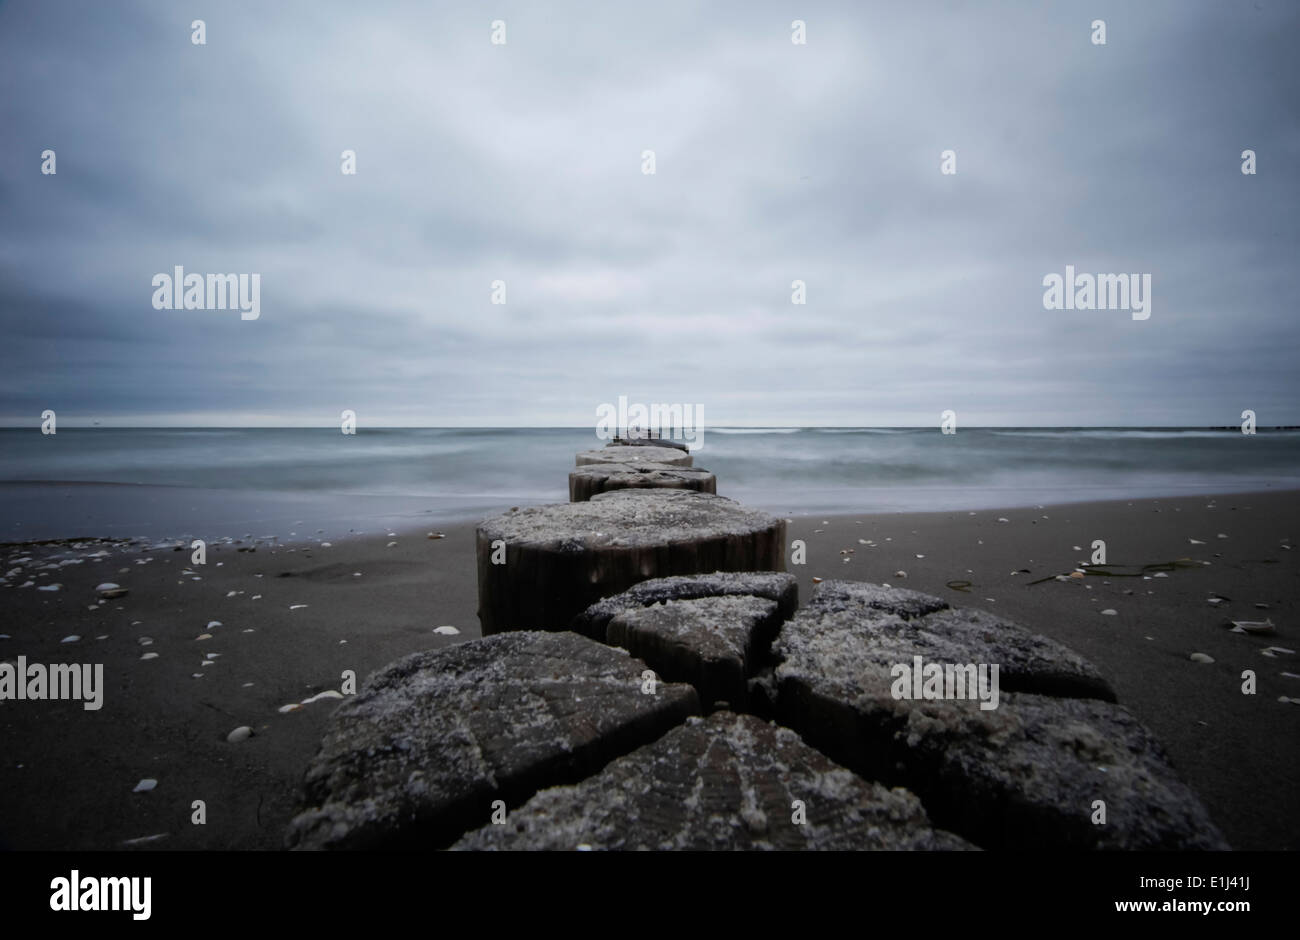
(774, 162)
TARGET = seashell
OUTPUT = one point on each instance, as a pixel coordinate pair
(1201, 658)
(1254, 626)
(328, 693)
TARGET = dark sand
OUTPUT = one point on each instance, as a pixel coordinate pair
(66, 774)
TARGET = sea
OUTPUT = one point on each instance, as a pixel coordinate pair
(315, 482)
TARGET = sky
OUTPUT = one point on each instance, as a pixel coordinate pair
(774, 162)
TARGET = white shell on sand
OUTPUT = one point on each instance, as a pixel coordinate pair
(49, 587)
(291, 707)
(328, 693)
(900, 574)
(1201, 658)
(1109, 612)
(107, 586)
(145, 785)
(70, 639)
(296, 606)
(1254, 626)
(242, 733)
(326, 545)
(390, 545)
(144, 839)
(213, 624)
(446, 631)
(149, 656)
(203, 636)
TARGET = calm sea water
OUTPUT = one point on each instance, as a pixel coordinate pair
(174, 482)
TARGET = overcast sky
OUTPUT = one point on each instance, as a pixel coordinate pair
(774, 162)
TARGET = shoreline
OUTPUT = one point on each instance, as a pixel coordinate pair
(322, 520)
(368, 603)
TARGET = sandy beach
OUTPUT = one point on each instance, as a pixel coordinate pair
(294, 616)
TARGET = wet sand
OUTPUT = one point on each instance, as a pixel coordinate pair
(67, 774)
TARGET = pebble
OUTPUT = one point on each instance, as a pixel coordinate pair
(326, 545)
(446, 631)
(242, 733)
(145, 785)
(48, 587)
(900, 574)
(1201, 658)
